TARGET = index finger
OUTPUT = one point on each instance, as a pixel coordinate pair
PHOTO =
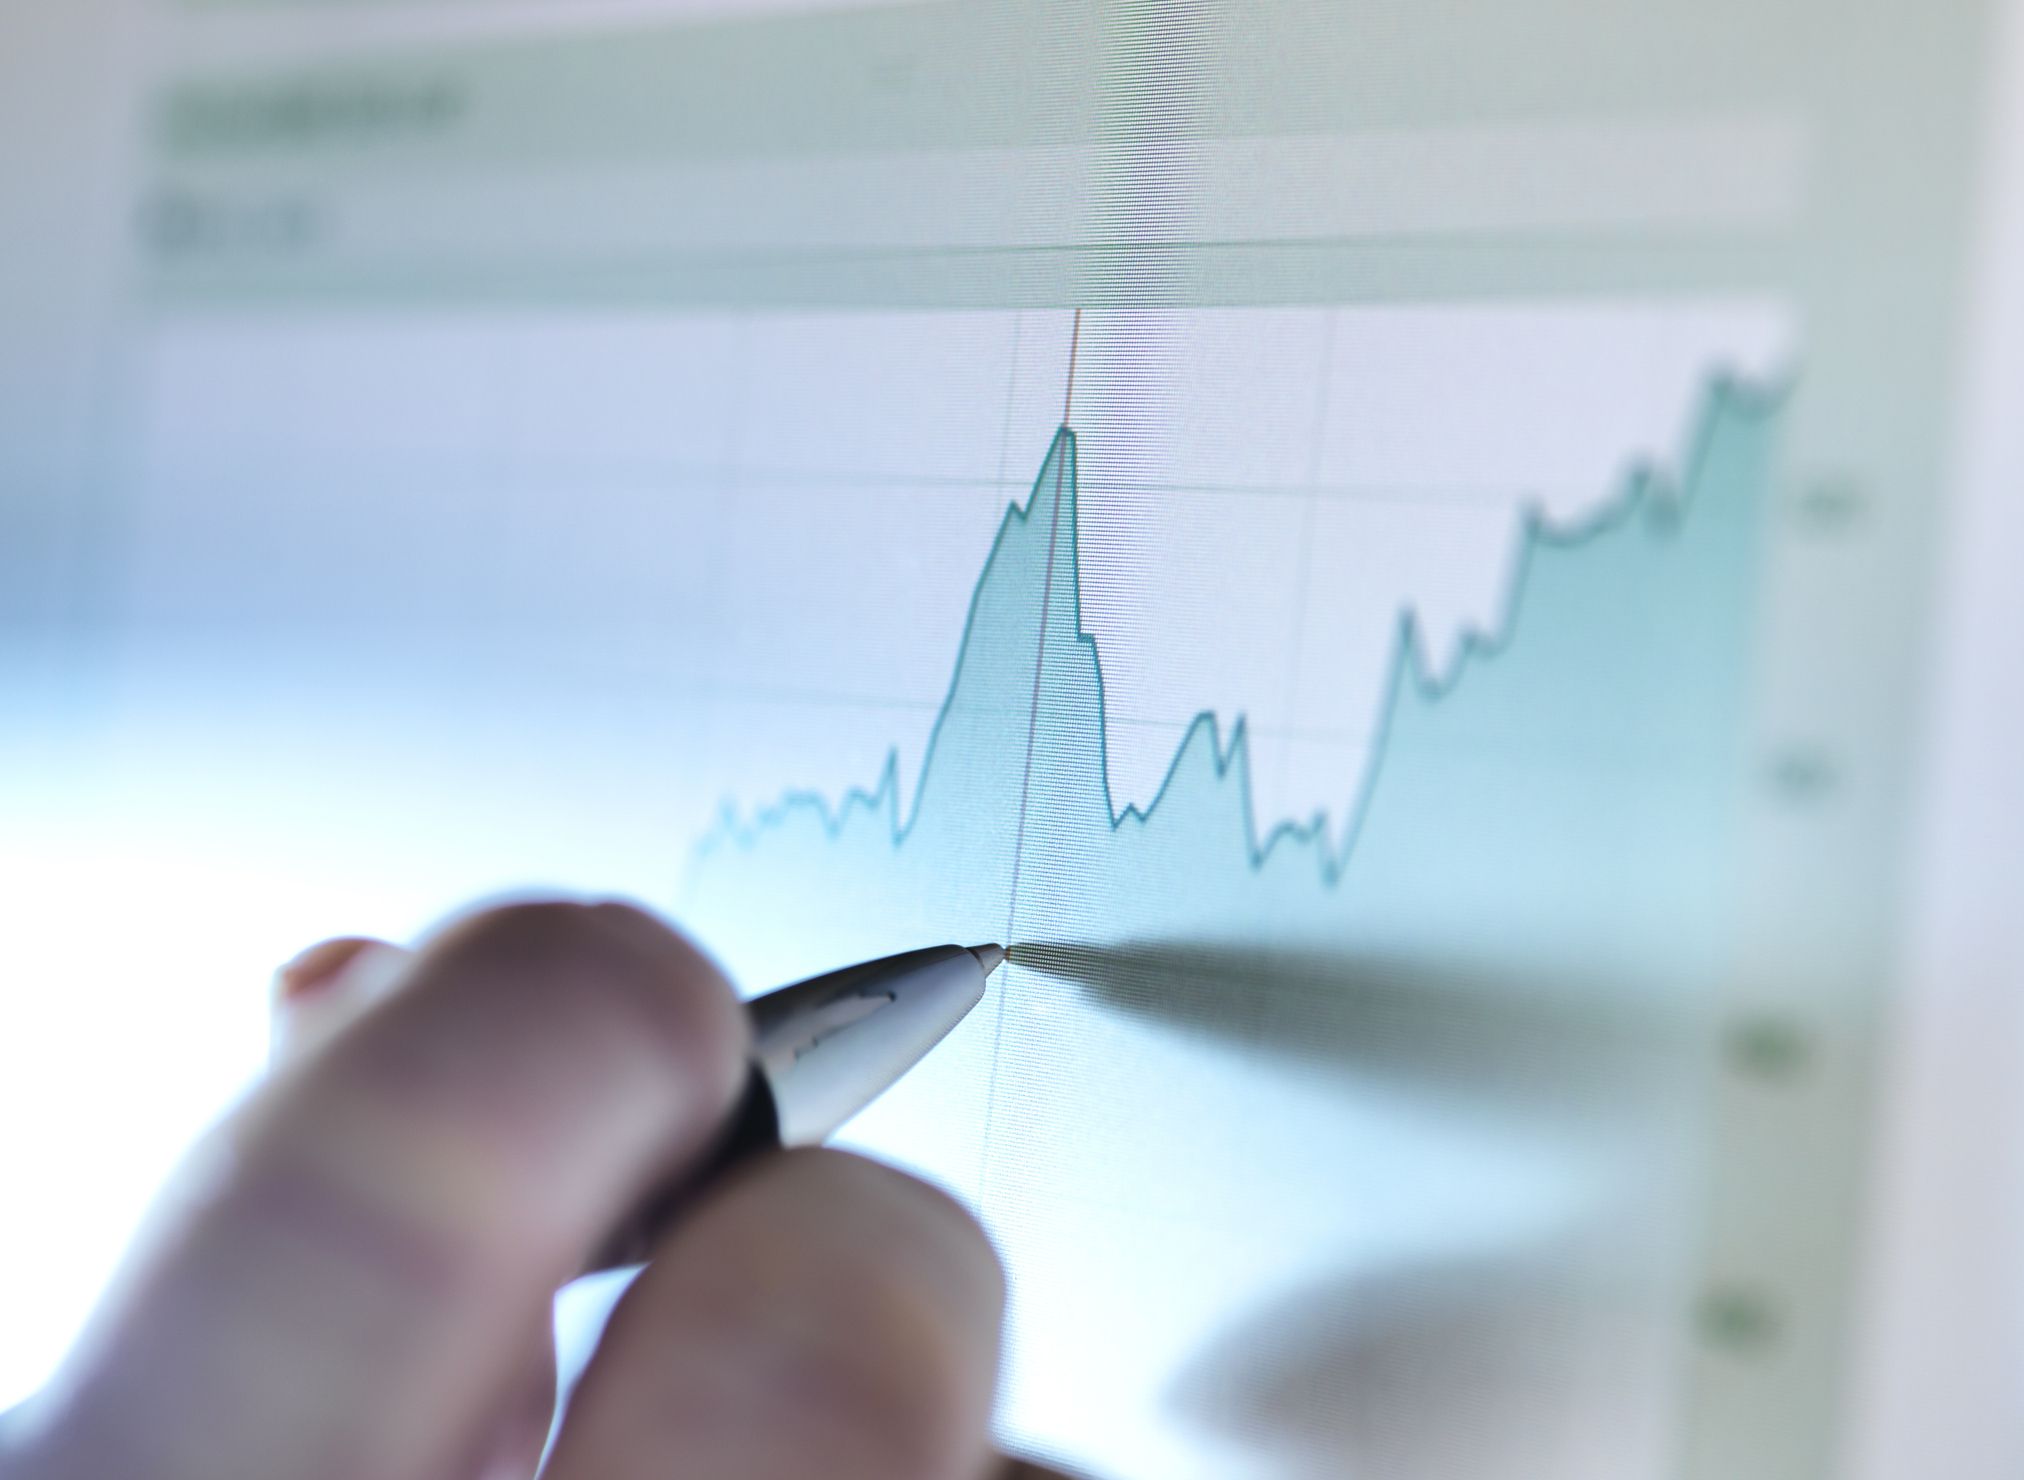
(350, 1284)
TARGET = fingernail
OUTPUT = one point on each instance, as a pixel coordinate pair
(317, 967)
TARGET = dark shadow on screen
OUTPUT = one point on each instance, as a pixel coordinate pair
(1489, 1370)
(1486, 1368)
(1466, 1036)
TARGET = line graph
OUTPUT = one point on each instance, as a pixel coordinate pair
(1033, 664)
(1648, 505)
(1520, 905)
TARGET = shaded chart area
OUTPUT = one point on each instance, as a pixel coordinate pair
(1438, 1057)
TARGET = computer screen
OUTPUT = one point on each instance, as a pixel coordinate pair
(1436, 572)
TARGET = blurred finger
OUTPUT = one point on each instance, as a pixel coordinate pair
(317, 967)
(351, 1286)
(326, 987)
(820, 1316)
(315, 995)
(1022, 1469)
(512, 1449)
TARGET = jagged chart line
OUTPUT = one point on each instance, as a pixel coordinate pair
(1411, 671)
(1025, 784)
(1482, 989)
(1040, 648)
(1039, 682)
(1032, 732)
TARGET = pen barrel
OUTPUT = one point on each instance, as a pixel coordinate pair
(751, 1130)
(822, 1050)
(831, 1045)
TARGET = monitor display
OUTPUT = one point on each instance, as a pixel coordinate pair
(1416, 563)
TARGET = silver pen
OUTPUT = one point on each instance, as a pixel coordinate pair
(822, 1050)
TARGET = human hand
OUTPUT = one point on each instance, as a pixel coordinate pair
(353, 1279)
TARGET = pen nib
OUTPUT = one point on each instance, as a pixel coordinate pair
(989, 957)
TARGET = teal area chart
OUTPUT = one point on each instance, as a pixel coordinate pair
(1601, 721)
(1481, 987)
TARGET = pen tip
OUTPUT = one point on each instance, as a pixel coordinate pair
(989, 957)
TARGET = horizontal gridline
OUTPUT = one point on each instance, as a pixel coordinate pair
(640, 479)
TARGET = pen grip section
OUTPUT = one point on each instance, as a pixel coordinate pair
(752, 1129)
